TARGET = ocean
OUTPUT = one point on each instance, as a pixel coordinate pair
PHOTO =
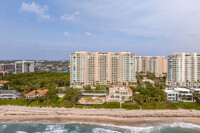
(29, 127)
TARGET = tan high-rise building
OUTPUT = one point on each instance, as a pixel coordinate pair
(157, 65)
(102, 68)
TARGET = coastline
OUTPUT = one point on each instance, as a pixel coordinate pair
(118, 117)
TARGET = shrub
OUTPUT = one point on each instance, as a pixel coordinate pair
(130, 106)
(111, 105)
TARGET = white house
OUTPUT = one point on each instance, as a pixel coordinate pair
(171, 95)
(9, 94)
(179, 94)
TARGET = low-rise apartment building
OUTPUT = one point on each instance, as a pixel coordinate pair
(119, 93)
(7, 67)
(36, 93)
(9, 94)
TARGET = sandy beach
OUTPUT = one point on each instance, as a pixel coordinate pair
(101, 116)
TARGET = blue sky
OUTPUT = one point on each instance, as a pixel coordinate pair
(53, 29)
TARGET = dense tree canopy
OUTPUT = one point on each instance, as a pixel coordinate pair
(26, 82)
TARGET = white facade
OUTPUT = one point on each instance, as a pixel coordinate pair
(183, 69)
(179, 94)
(24, 66)
(195, 90)
(9, 94)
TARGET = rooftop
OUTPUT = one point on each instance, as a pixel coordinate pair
(181, 89)
(169, 91)
(39, 91)
(7, 91)
(3, 82)
(3, 71)
(195, 89)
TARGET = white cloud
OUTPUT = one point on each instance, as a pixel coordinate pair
(88, 34)
(66, 34)
(70, 17)
(36, 8)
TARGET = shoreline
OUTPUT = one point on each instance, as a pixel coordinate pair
(118, 117)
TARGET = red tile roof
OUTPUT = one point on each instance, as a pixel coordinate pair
(129, 89)
(3, 71)
(39, 92)
(3, 82)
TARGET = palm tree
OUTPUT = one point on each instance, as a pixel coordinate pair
(179, 96)
(184, 97)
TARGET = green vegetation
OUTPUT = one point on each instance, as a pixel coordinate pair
(27, 82)
(130, 106)
(151, 97)
(98, 89)
(188, 105)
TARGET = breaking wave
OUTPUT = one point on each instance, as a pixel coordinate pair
(96, 128)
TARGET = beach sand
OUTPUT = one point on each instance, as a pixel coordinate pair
(119, 117)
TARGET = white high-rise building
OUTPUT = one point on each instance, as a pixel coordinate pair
(102, 68)
(183, 69)
(24, 66)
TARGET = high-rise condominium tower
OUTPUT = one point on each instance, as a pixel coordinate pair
(102, 68)
(24, 66)
(183, 69)
(157, 65)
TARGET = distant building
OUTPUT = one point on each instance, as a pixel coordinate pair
(119, 93)
(157, 65)
(183, 70)
(32, 94)
(24, 66)
(179, 94)
(9, 94)
(3, 73)
(102, 68)
(7, 67)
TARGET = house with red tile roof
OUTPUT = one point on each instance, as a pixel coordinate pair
(119, 93)
(33, 95)
(3, 73)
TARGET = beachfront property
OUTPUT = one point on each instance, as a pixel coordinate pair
(24, 66)
(101, 68)
(9, 94)
(7, 67)
(36, 93)
(3, 73)
(183, 70)
(179, 95)
(157, 65)
(119, 93)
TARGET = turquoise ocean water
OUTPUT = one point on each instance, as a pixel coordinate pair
(28, 127)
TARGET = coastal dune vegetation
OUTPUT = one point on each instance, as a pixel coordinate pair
(145, 95)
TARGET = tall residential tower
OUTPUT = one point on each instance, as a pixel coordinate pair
(157, 65)
(183, 69)
(102, 68)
